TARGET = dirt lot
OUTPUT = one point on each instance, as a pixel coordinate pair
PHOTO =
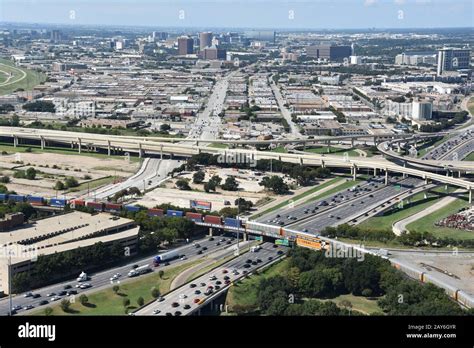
(54, 167)
(248, 183)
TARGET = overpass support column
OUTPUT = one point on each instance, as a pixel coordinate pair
(210, 231)
(108, 148)
(404, 166)
(426, 180)
(245, 237)
(470, 195)
(386, 176)
(375, 141)
(354, 172)
(161, 152)
(15, 141)
(79, 144)
(352, 142)
(323, 165)
(42, 143)
(301, 160)
(329, 146)
(375, 171)
(140, 150)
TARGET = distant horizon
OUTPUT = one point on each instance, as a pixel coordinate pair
(257, 14)
(281, 29)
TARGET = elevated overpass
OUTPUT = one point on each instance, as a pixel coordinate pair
(144, 145)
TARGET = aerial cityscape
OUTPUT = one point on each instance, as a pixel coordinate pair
(185, 159)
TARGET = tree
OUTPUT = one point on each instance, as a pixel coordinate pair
(243, 204)
(48, 311)
(126, 302)
(71, 182)
(65, 305)
(230, 184)
(198, 177)
(115, 289)
(83, 299)
(140, 301)
(30, 173)
(169, 234)
(59, 186)
(155, 293)
(15, 121)
(165, 127)
(275, 184)
(161, 273)
(5, 179)
(183, 184)
(216, 180)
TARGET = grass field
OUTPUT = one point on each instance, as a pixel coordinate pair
(426, 224)
(93, 184)
(9, 148)
(423, 149)
(333, 151)
(13, 78)
(244, 292)
(359, 303)
(106, 302)
(469, 157)
(417, 204)
(279, 149)
(219, 146)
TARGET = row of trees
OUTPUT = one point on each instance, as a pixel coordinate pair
(409, 239)
(29, 174)
(69, 182)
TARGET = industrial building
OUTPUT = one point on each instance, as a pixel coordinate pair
(329, 52)
(21, 247)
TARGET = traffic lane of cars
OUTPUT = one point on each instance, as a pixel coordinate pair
(354, 208)
(102, 279)
(184, 299)
(292, 216)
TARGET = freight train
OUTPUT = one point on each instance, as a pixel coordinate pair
(231, 224)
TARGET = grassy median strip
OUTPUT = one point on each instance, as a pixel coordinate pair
(298, 197)
(342, 186)
(107, 302)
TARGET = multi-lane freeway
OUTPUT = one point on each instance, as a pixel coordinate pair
(189, 297)
(100, 280)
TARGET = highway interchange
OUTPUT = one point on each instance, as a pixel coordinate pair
(101, 280)
(187, 298)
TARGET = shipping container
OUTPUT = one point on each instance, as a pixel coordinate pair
(112, 207)
(35, 200)
(96, 206)
(170, 212)
(231, 222)
(196, 217)
(78, 203)
(16, 198)
(155, 212)
(3, 197)
(212, 219)
(131, 208)
(465, 299)
(57, 202)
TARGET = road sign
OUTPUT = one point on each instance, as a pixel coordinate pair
(259, 238)
(282, 242)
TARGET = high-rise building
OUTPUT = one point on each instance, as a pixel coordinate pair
(450, 59)
(329, 52)
(213, 53)
(422, 110)
(185, 45)
(56, 35)
(205, 40)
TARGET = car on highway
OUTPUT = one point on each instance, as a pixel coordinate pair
(71, 292)
(36, 295)
(62, 293)
(161, 299)
(200, 252)
(212, 277)
(183, 296)
(279, 252)
(197, 292)
(16, 308)
(186, 306)
(156, 311)
(43, 302)
(27, 307)
(177, 313)
(49, 294)
(28, 294)
(169, 314)
(196, 300)
(192, 285)
(175, 304)
(55, 298)
(224, 271)
(68, 286)
(209, 290)
(202, 284)
(247, 265)
(204, 248)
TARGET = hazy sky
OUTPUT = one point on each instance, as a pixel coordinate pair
(331, 14)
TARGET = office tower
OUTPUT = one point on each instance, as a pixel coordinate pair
(450, 59)
(329, 52)
(185, 45)
(205, 40)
